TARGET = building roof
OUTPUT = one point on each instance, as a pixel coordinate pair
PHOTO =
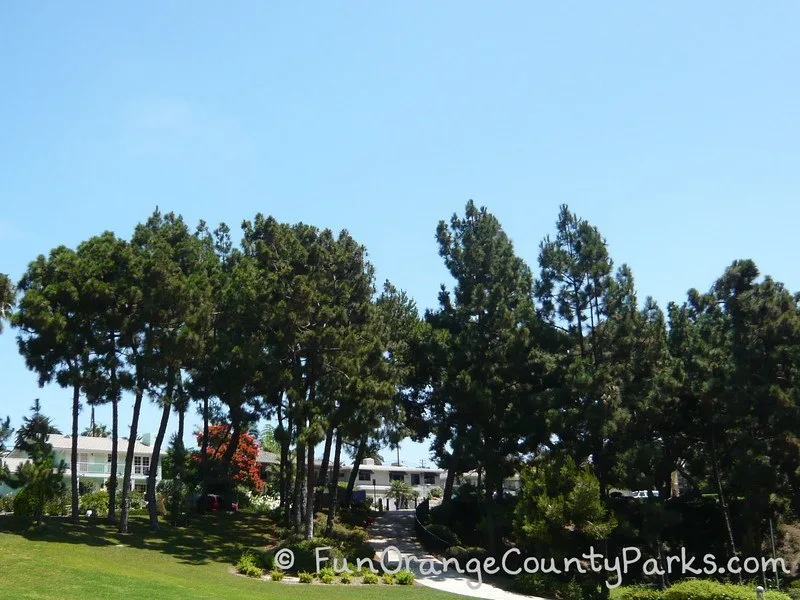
(96, 444)
(393, 468)
(269, 458)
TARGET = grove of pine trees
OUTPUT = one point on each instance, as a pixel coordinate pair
(516, 364)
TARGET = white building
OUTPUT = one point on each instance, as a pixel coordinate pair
(511, 485)
(94, 459)
(376, 480)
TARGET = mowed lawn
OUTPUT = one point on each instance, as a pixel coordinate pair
(89, 561)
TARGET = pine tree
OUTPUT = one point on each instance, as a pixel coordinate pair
(41, 476)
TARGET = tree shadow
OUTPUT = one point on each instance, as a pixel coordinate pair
(214, 537)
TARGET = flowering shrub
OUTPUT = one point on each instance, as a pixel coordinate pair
(261, 503)
(243, 467)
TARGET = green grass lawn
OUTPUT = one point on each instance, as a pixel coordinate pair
(90, 561)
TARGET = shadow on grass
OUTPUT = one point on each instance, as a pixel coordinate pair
(215, 537)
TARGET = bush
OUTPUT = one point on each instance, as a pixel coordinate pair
(305, 558)
(138, 501)
(713, 590)
(58, 506)
(86, 487)
(445, 534)
(305, 577)
(436, 492)
(326, 575)
(462, 554)
(636, 592)
(97, 502)
(276, 575)
(535, 584)
(370, 578)
(404, 578)
(248, 565)
(388, 578)
(793, 593)
(346, 577)
(24, 503)
(7, 502)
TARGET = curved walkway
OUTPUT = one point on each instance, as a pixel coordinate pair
(396, 529)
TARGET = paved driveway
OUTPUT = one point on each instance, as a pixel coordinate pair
(396, 529)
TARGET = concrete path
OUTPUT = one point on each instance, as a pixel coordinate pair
(396, 528)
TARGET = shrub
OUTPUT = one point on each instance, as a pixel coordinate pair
(24, 503)
(59, 505)
(436, 492)
(138, 501)
(248, 565)
(462, 554)
(305, 558)
(636, 592)
(305, 577)
(7, 502)
(86, 487)
(388, 578)
(276, 575)
(346, 577)
(97, 502)
(535, 584)
(445, 534)
(370, 578)
(404, 578)
(713, 590)
(793, 593)
(266, 560)
(326, 575)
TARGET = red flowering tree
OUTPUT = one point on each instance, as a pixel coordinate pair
(244, 468)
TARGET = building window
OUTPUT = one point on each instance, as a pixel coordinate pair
(141, 465)
(397, 476)
(109, 459)
(364, 476)
(415, 479)
(430, 478)
(341, 474)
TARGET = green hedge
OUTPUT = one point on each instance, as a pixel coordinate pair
(695, 589)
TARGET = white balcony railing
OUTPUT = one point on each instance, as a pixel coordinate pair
(89, 468)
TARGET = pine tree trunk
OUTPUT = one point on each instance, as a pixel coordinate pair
(180, 447)
(204, 443)
(449, 482)
(351, 483)
(310, 473)
(322, 481)
(126, 480)
(299, 487)
(334, 485)
(112, 480)
(723, 503)
(233, 445)
(152, 507)
(286, 468)
(76, 406)
(282, 463)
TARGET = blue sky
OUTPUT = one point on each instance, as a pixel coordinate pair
(673, 127)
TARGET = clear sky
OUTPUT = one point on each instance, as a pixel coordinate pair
(673, 127)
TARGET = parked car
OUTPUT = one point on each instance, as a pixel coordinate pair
(215, 502)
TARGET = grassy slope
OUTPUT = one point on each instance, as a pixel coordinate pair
(86, 562)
